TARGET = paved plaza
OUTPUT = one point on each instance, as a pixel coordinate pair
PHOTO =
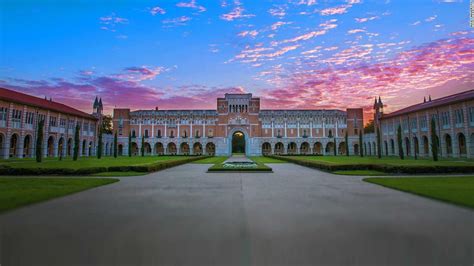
(185, 216)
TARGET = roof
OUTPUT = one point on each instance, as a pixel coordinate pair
(451, 99)
(18, 97)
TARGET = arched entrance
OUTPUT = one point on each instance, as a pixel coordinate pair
(159, 149)
(279, 148)
(238, 142)
(60, 147)
(184, 148)
(462, 144)
(210, 148)
(171, 148)
(14, 145)
(197, 148)
(69, 147)
(50, 147)
(27, 147)
(266, 148)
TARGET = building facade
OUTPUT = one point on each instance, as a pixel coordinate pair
(454, 127)
(238, 116)
(19, 117)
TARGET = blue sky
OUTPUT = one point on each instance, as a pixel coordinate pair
(294, 54)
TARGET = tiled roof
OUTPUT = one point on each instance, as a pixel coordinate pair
(451, 99)
(18, 97)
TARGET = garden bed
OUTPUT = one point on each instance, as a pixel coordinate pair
(74, 167)
(390, 165)
(253, 167)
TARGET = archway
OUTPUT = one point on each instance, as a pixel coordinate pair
(171, 148)
(120, 150)
(304, 149)
(90, 148)
(449, 145)
(69, 147)
(14, 145)
(392, 146)
(462, 144)
(197, 148)
(60, 147)
(266, 148)
(184, 148)
(50, 146)
(407, 146)
(318, 148)
(341, 148)
(292, 148)
(134, 148)
(238, 142)
(27, 147)
(330, 148)
(210, 148)
(279, 148)
(426, 146)
(159, 149)
(147, 148)
(356, 149)
(84, 148)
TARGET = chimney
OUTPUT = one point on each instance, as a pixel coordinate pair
(156, 108)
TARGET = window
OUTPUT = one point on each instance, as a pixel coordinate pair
(62, 122)
(356, 131)
(423, 123)
(197, 134)
(16, 116)
(445, 121)
(459, 117)
(210, 133)
(146, 133)
(133, 133)
(85, 127)
(120, 126)
(71, 124)
(172, 134)
(41, 117)
(471, 115)
(158, 134)
(52, 121)
(3, 113)
(414, 123)
(29, 118)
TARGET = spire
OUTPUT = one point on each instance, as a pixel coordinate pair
(96, 103)
(100, 103)
(380, 101)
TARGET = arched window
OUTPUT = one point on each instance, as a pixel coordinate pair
(330, 134)
(133, 133)
(146, 133)
(197, 133)
(172, 134)
(158, 133)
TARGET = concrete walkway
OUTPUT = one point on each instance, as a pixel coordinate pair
(184, 216)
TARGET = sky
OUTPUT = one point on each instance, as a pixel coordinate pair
(305, 54)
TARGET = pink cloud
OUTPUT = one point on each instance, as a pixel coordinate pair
(335, 10)
(192, 5)
(157, 10)
(236, 13)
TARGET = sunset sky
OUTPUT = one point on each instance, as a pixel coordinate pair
(304, 54)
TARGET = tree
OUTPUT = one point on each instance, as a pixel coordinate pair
(107, 124)
(115, 144)
(434, 140)
(142, 150)
(39, 142)
(76, 143)
(399, 140)
(335, 147)
(370, 127)
(99, 144)
(379, 144)
(361, 144)
(347, 143)
(130, 144)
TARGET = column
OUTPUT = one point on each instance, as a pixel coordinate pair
(179, 136)
(466, 130)
(311, 129)
(140, 129)
(298, 128)
(285, 128)
(272, 130)
(324, 127)
(191, 134)
(166, 130)
(204, 129)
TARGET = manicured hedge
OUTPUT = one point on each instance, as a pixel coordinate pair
(219, 168)
(152, 167)
(400, 169)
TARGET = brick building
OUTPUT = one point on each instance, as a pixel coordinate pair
(238, 116)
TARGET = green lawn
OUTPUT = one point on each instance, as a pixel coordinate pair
(212, 160)
(359, 172)
(263, 159)
(395, 161)
(457, 190)
(118, 174)
(16, 192)
(84, 162)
